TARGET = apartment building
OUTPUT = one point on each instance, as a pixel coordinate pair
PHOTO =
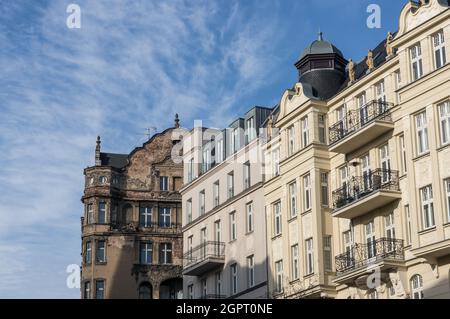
(357, 187)
(224, 229)
(131, 225)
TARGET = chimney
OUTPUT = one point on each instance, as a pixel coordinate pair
(98, 161)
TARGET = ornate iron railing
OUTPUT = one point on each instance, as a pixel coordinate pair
(213, 296)
(362, 255)
(209, 249)
(361, 186)
(357, 119)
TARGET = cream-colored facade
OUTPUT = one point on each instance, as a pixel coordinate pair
(359, 205)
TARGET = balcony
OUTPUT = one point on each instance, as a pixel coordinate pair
(361, 127)
(364, 194)
(204, 258)
(361, 259)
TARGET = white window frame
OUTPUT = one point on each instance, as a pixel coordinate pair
(327, 254)
(233, 227)
(427, 205)
(415, 53)
(190, 170)
(321, 118)
(218, 281)
(444, 122)
(403, 155)
(278, 228)
(251, 271)
(439, 49)
(230, 185)
(295, 271)
(447, 189)
(408, 225)
(249, 219)
(219, 151)
(291, 140)
(234, 278)
(247, 175)
(189, 211)
(145, 217)
(324, 189)
(164, 183)
(90, 213)
(422, 133)
(309, 248)
(216, 194)
(307, 199)
(251, 129)
(279, 276)
(380, 92)
(98, 250)
(166, 249)
(145, 251)
(276, 162)
(202, 203)
(417, 287)
(305, 132)
(101, 217)
(88, 256)
(293, 207)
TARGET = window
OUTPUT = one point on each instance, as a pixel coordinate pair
(416, 61)
(247, 180)
(103, 180)
(389, 230)
(201, 199)
(87, 290)
(88, 256)
(191, 170)
(385, 159)
(444, 120)
(398, 81)
(190, 292)
(279, 276)
(307, 192)
(99, 289)
(305, 132)
(234, 140)
(417, 287)
(220, 151)
(249, 209)
(426, 195)
(165, 253)
(295, 266)
(206, 159)
(370, 240)
(363, 109)
(291, 140)
(340, 121)
(146, 253)
(276, 162)
(163, 183)
(189, 210)
(204, 285)
(380, 95)
(145, 291)
(293, 199)
(403, 165)
(164, 217)
(422, 133)
(203, 242)
(348, 248)
(277, 218)
(408, 225)
(439, 49)
(218, 280)
(102, 213)
(216, 201)
(101, 252)
(250, 271)
(251, 129)
(233, 229)
(230, 185)
(145, 216)
(90, 213)
(190, 248)
(322, 129)
(447, 187)
(324, 189)
(218, 231)
(309, 257)
(327, 257)
(234, 279)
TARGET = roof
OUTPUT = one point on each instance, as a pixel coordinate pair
(114, 160)
(320, 46)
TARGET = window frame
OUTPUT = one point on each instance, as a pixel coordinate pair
(97, 281)
(427, 207)
(148, 252)
(444, 122)
(295, 265)
(438, 44)
(416, 285)
(307, 193)
(250, 227)
(250, 271)
(98, 249)
(421, 127)
(278, 225)
(416, 61)
(309, 249)
(293, 199)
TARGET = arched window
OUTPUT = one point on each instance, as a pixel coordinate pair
(145, 291)
(417, 287)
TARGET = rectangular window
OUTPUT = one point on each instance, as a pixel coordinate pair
(277, 218)
(439, 50)
(101, 251)
(146, 253)
(389, 226)
(190, 292)
(218, 231)
(416, 61)
(100, 289)
(88, 256)
(447, 188)
(380, 93)
(230, 185)
(309, 256)
(203, 242)
(250, 271)
(295, 265)
(206, 159)
(218, 280)
(164, 217)
(219, 151)
(191, 170)
(348, 248)
(163, 183)
(307, 192)
(249, 209)
(102, 213)
(403, 165)
(234, 279)
(145, 217)
(189, 211)
(293, 199)
(233, 226)
(165, 253)
(90, 213)
(201, 200)
(305, 132)
(327, 256)
(235, 140)
(398, 81)
(251, 129)
(324, 189)
(426, 195)
(408, 225)
(422, 133)
(291, 140)
(322, 129)
(279, 276)
(444, 121)
(216, 199)
(204, 285)
(341, 123)
(190, 247)
(363, 109)
(247, 180)
(276, 162)
(87, 290)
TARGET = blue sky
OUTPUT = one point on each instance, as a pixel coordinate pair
(132, 66)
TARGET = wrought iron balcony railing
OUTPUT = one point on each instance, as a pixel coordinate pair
(361, 186)
(213, 296)
(362, 255)
(357, 119)
(210, 249)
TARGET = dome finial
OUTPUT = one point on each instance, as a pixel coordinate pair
(320, 35)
